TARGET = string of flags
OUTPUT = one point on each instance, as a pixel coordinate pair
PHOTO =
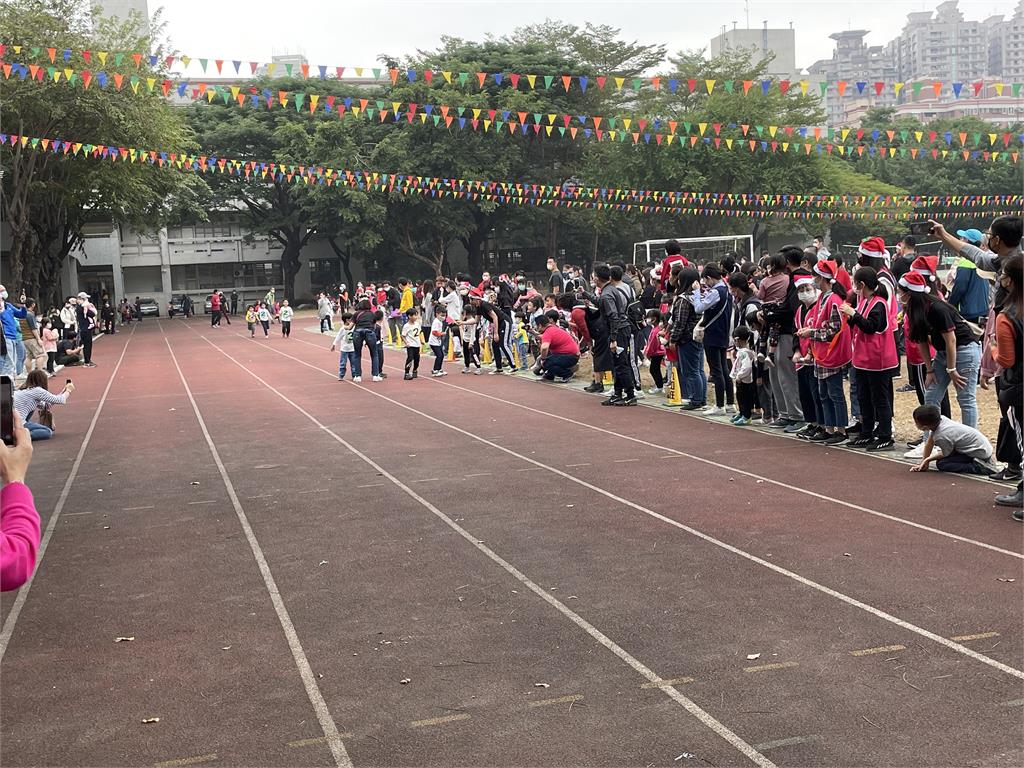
(662, 132)
(677, 203)
(522, 81)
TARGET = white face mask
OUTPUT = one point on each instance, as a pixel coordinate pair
(808, 295)
(3, 295)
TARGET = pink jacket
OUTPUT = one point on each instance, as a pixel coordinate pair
(654, 346)
(19, 535)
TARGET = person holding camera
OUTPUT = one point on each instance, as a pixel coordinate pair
(35, 395)
(19, 521)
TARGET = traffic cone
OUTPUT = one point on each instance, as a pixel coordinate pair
(451, 347)
(675, 395)
(609, 379)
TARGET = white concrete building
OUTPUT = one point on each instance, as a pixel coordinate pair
(776, 44)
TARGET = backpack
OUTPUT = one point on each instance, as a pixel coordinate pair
(635, 312)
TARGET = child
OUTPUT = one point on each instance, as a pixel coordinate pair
(954, 447)
(345, 344)
(654, 351)
(743, 375)
(437, 345)
(469, 332)
(263, 315)
(250, 320)
(803, 358)
(522, 344)
(411, 336)
(287, 313)
(50, 337)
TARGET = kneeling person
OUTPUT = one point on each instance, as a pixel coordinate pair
(559, 352)
(954, 447)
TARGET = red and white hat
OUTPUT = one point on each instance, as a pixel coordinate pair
(926, 265)
(827, 269)
(874, 247)
(476, 293)
(914, 281)
(801, 280)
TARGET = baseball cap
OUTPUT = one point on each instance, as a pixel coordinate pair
(970, 235)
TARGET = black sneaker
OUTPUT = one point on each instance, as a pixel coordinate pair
(819, 437)
(613, 400)
(836, 439)
(915, 443)
(594, 387)
(809, 431)
(860, 442)
(626, 401)
(905, 388)
(1006, 475)
(879, 444)
(408, 377)
(693, 407)
(1018, 515)
(781, 423)
(855, 428)
(1011, 500)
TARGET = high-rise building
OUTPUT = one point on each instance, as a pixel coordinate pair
(941, 46)
(778, 45)
(860, 66)
(1006, 46)
(123, 9)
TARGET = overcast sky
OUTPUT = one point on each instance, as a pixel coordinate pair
(354, 32)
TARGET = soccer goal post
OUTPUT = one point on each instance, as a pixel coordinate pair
(698, 249)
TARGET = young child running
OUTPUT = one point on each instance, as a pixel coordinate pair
(263, 315)
(250, 320)
(437, 346)
(344, 342)
(469, 332)
(287, 313)
(412, 338)
(743, 375)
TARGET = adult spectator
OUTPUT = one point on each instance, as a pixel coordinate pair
(1009, 338)
(35, 395)
(1000, 242)
(224, 307)
(612, 304)
(215, 309)
(85, 317)
(324, 311)
(556, 280)
(364, 332)
(35, 357)
(906, 252)
(715, 304)
(234, 302)
(559, 352)
(690, 351)
(9, 314)
(781, 315)
(969, 292)
(19, 521)
(68, 322)
(69, 352)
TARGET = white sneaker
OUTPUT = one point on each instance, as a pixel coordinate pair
(712, 410)
(465, 370)
(730, 410)
(58, 368)
(656, 391)
(378, 378)
(357, 379)
(478, 372)
(915, 453)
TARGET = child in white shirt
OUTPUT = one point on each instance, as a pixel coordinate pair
(469, 327)
(411, 336)
(263, 315)
(437, 345)
(287, 313)
(343, 342)
(743, 374)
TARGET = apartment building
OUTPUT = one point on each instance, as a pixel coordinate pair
(854, 61)
(778, 46)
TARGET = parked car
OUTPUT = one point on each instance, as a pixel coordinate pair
(149, 308)
(175, 306)
(208, 305)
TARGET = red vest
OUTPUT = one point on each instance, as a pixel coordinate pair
(874, 351)
(839, 351)
(805, 318)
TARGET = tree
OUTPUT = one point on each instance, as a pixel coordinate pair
(48, 198)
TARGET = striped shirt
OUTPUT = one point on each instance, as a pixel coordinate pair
(27, 400)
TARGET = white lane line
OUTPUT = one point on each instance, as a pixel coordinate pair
(426, 480)
(879, 649)
(639, 667)
(317, 490)
(745, 473)
(316, 698)
(852, 601)
(792, 741)
(625, 461)
(559, 700)
(979, 636)
(1014, 703)
(181, 761)
(211, 501)
(136, 509)
(438, 721)
(528, 469)
(44, 542)
(478, 474)
(371, 485)
(670, 681)
(770, 667)
(584, 464)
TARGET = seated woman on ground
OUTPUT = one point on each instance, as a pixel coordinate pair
(34, 395)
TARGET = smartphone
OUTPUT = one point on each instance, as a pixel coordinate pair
(7, 410)
(68, 381)
(919, 228)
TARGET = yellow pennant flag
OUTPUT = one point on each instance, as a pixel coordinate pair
(532, 80)
(618, 83)
(103, 57)
(803, 87)
(999, 88)
(897, 87)
(394, 106)
(945, 154)
(235, 90)
(845, 133)
(476, 113)
(359, 71)
(271, 67)
(209, 95)
(918, 135)
(56, 75)
(68, 73)
(772, 130)
(314, 98)
(447, 77)
(728, 143)
(187, 60)
(785, 147)
(487, 125)
(547, 128)
(150, 82)
(551, 119)
(892, 151)
(613, 134)
(991, 139)
(135, 87)
(702, 127)
(626, 122)
(670, 137)
(710, 85)
(17, 49)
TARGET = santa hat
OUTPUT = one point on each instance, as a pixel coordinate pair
(926, 265)
(801, 280)
(914, 281)
(827, 269)
(874, 247)
(476, 293)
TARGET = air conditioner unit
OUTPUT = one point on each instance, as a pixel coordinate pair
(238, 273)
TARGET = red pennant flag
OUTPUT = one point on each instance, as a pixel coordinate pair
(860, 134)
(841, 87)
(783, 87)
(890, 134)
(937, 88)
(444, 111)
(879, 86)
(338, 72)
(118, 80)
(672, 124)
(87, 55)
(692, 85)
(220, 65)
(658, 137)
(566, 119)
(601, 81)
(656, 82)
(137, 58)
(253, 65)
(428, 75)
(598, 119)
(745, 128)
(491, 113)
(170, 61)
(746, 86)
(642, 123)
(600, 133)
(394, 75)
(718, 128)
(977, 88)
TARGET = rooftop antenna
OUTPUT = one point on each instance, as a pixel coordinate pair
(746, 7)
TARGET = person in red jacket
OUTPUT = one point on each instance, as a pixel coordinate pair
(215, 309)
(19, 521)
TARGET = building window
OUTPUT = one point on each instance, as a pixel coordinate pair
(209, 230)
(324, 272)
(260, 273)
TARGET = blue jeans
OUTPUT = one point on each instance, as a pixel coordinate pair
(350, 358)
(7, 361)
(694, 380)
(968, 362)
(833, 400)
(559, 365)
(37, 431)
(19, 356)
(360, 337)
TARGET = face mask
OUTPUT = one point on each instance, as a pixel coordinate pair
(3, 294)
(521, 286)
(904, 299)
(808, 296)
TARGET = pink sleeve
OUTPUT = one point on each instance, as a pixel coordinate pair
(19, 535)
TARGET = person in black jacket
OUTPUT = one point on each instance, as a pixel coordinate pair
(612, 304)
(785, 384)
(685, 317)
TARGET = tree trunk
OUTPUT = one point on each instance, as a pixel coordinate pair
(552, 244)
(474, 250)
(345, 257)
(290, 262)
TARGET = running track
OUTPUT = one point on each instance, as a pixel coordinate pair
(561, 584)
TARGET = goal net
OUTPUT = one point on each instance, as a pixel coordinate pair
(697, 249)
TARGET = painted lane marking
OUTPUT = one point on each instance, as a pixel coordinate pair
(427, 480)
(979, 636)
(852, 601)
(769, 667)
(769, 745)
(639, 667)
(187, 761)
(316, 698)
(528, 469)
(317, 490)
(879, 649)
(371, 485)
(136, 509)
(211, 501)
(559, 700)
(438, 720)
(44, 542)
(1014, 703)
(315, 741)
(669, 681)
(584, 464)
(624, 461)
(478, 474)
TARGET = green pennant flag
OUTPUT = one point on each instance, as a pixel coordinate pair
(203, 63)
(437, 119)
(288, 69)
(227, 97)
(134, 80)
(35, 143)
(376, 72)
(299, 98)
(611, 123)
(463, 77)
(73, 79)
(686, 127)
(904, 134)
(823, 86)
(728, 86)
(561, 130)
(917, 89)
(50, 71)
(380, 105)
(760, 130)
(35, 52)
(536, 118)
(369, 111)
(830, 134)
(977, 139)
(499, 125)
(547, 80)
(462, 111)
(903, 151)
(118, 58)
(1016, 90)
(622, 136)
(637, 82)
